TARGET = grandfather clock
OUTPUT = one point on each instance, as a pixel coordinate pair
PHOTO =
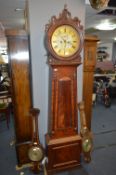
(90, 53)
(64, 42)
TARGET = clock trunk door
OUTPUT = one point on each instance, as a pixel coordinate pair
(64, 99)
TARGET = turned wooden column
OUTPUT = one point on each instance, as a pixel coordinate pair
(90, 50)
(18, 52)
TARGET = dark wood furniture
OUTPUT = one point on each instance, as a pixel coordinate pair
(36, 151)
(63, 141)
(19, 60)
(90, 53)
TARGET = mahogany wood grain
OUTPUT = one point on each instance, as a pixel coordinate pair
(18, 52)
(63, 102)
(62, 140)
(35, 145)
(63, 153)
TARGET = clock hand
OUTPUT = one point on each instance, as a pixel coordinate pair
(64, 46)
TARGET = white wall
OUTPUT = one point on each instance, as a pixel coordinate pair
(40, 12)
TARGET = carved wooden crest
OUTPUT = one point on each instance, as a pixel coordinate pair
(64, 17)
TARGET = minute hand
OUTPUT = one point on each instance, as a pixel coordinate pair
(64, 46)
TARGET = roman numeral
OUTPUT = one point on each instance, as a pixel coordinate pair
(55, 46)
(73, 47)
(59, 50)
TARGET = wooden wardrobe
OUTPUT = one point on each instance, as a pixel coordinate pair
(19, 60)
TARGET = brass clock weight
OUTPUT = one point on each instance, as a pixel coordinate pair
(64, 42)
(36, 151)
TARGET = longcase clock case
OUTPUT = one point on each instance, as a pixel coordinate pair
(62, 140)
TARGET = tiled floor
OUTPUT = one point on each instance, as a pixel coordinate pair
(103, 155)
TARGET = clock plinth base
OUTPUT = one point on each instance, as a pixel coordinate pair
(63, 153)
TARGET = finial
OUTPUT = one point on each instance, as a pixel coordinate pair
(65, 6)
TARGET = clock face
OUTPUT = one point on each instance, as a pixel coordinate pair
(65, 41)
